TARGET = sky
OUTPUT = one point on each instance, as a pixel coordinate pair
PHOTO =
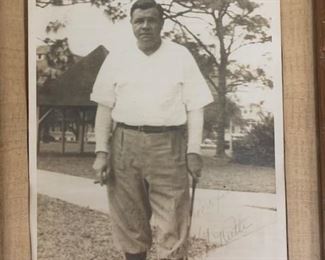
(87, 27)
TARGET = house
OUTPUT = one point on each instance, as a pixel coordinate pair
(67, 99)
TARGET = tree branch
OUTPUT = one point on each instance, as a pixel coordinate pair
(175, 15)
(203, 46)
(232, 40)
(246, 44)
(213, 83)
(43, 4)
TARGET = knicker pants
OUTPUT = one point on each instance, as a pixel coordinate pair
(149, 176)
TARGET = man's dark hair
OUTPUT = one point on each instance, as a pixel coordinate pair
(146, 4)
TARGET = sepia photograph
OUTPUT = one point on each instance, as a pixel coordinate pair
(157, 130)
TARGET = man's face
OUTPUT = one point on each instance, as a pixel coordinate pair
(147, 25)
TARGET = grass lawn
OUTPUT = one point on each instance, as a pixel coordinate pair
(66, 232)
(216, 174)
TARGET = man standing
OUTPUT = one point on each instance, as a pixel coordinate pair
(155, 94)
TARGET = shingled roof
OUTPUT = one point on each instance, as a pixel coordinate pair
(74, 86)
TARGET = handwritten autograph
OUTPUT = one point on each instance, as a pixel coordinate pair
(234, 229)
(211, 204)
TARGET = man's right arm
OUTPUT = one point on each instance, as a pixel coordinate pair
(103, 126)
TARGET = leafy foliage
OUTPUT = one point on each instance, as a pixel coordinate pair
(57, 60)
(113, 8)
(258, 146)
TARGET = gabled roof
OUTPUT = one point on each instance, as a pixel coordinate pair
(74, 86)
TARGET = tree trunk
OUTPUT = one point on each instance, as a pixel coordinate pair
(221, 120)
(222, 69)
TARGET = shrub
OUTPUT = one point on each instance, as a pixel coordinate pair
(257, 147)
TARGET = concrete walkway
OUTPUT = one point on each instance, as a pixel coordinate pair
(244, 225)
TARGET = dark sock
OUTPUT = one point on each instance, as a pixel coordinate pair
(182, 258)
(139, 256)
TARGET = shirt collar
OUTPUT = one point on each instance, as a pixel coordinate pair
(141, 53)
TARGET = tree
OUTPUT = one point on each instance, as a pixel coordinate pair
(232, 25)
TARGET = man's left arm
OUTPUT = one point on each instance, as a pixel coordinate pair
(195, 131)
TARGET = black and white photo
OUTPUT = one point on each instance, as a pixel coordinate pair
(156, 130)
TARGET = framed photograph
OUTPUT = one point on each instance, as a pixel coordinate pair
(84, 220)
(152, 69)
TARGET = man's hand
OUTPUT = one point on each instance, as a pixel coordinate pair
(194, 165)
(102, 167)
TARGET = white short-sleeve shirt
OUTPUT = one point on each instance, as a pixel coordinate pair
(154, 90)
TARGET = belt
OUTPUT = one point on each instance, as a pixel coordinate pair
(151, 129)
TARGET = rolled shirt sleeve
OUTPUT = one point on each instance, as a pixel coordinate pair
(103, 90)
(103, 125)
(196, 92)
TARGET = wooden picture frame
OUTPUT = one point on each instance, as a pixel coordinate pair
(319, 23)
(301, 164)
